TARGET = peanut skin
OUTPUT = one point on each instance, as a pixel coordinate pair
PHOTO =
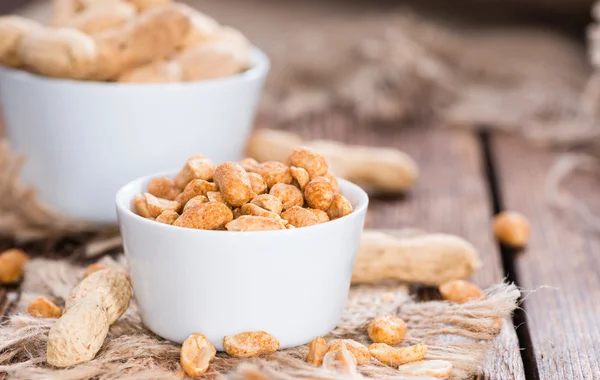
(234, 183)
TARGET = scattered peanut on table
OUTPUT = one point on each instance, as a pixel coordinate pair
(394, 357)
(461, 291)
(41, 307)
(512, 229)
(196, 354)
(250, 344)
(12, 264)
(387, 329)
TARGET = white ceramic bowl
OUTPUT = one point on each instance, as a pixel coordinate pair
(290, 283)
(83, 140)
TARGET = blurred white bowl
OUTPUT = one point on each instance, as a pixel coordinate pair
(83, 140)
(291, 283)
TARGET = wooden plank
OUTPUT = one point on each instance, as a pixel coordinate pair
(451, 196)
(561, 264)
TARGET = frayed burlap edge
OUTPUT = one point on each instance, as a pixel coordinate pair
(460, 333)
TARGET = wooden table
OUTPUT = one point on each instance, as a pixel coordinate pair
(466, 178)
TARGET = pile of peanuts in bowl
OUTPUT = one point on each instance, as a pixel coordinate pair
(246, 195)
(128, 41)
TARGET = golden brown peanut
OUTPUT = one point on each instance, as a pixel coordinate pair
(155, 72)
(430, 259)
(101, 16)
(300, 217)
(259, 186)
(250, 165)
(360, 352)
(163, 187)
(300, 175)
(274, 172)
(397, 356)
(155, 34)
(202, 29)
(254, 223)
(268, 202)
(319, 193)
(237, 212)
(340, 360)
(340, 207)
(12, 30)
(41, 307)
(140, 206)
(250, 344)
(334, 182)
(511, 228)
(440, 369)
(143, 5)
(196, 167)
(60, 53)
(196, 354)
(215, 196)
(94, 268)
(289, 195)
(234, 183)
(157, 206)
(168, 217)
(320, 214)
(316, 351)
(252, 209)
(206, 216)
(12, 264)
(195, 188)
(461, 291)
(308, 159)
(387, 329)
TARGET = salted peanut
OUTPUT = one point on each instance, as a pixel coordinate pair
(143, 5)
(160, 71)
(195, 168)
(320, 214)
(202, 29)
(196, 354)
(334, 182)
(275, 172)
(252, 209)
(60, 53)
(512, 228)
(300, 175)
(250, 165)
(461, 291)
(393, 357)
(360, 352)
(250, 344)
(314, 163)
(140, 206)
(42, 307)
(157, 206)
(195, 188)
(163, 187)
(12, 30)
(289, 195)
(319, 193)
(387, 329)
(268, 202)
(215, 196)
(340, 206)
(94, 268)
(340, 360)
(440, 369)
(206, 216)
(316, 351)
(12, 264)
(300, 217)
(155, 34)
(101, 17)
(168, 217)
(234, 183)
(259, 186)
(254, 223)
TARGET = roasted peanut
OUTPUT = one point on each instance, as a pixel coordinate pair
(237, 212)
(195, 168)
(212, 59)
(195, 188)
(289, 195)
(254, 223)
(155, 72)
(360, 352)
(168, 217)
(387, 329)
(440, 369)
(300, 217)
(511, 228)
(461, 291)
(157, 206)
(274, 172)
(196, 354)
(334, 182)
(397, 356)
(308, 159)
(63, 10)
(250, 165)
(268, 202)
(234, 183)
(194, 202)
(140, 206)
(320, 214)
(340, 207)
(252, 209)
(142, 5)
(163, 187)
(341, 359)
(250, 344)
(259, 186)
(203, 27)
(101, 16)
(41, 307)
(316, 351)
(94, 268)
(206, 216)
(215, 196)
(12, 30)
(12, 264)
(319, 193)
(289, 226)
(300, 175)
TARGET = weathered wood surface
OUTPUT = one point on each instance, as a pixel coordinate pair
(560, 266)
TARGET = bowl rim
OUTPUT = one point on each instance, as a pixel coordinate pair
(260, 67)
(123, 205)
